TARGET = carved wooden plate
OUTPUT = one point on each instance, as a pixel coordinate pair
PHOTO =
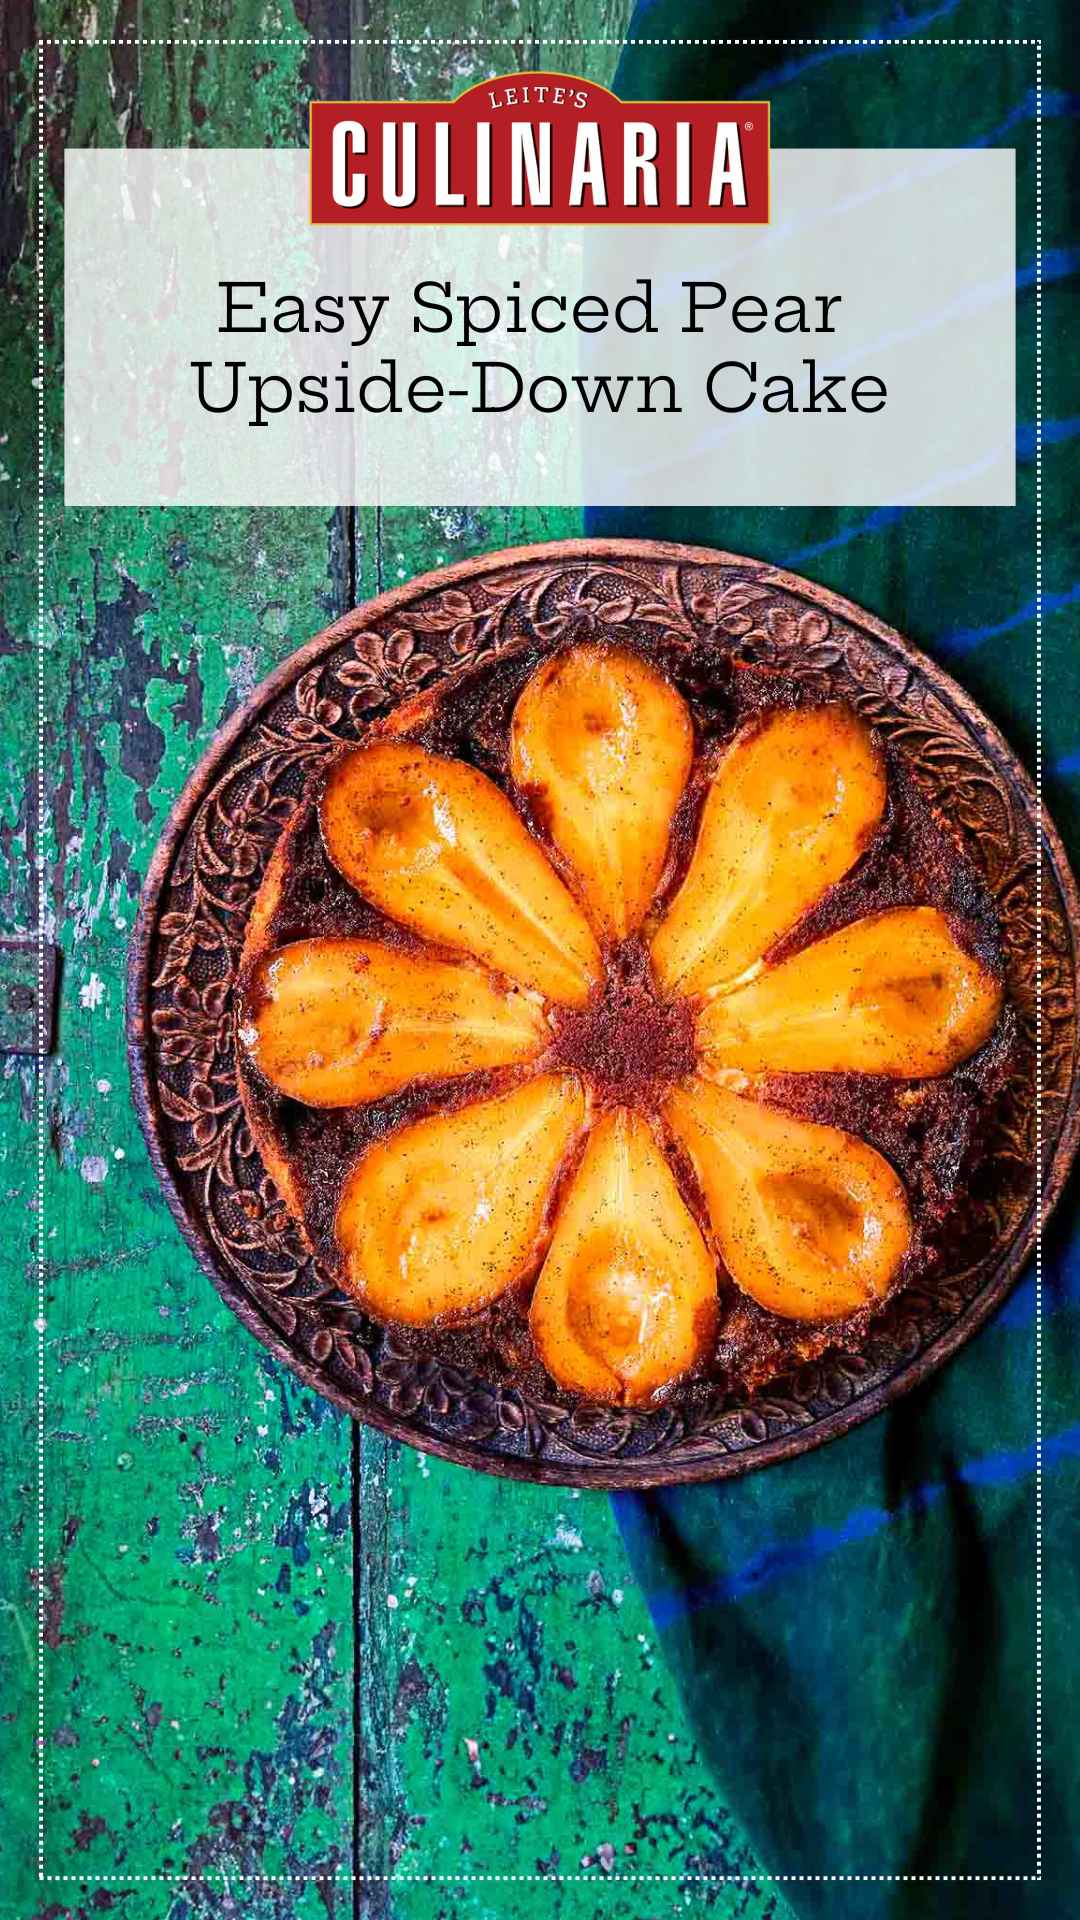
(210, 861)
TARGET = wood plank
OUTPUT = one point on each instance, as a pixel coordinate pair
(433, 59)
(513, 1716)
(276, 1644)
(512, 1713)
(198, 1509)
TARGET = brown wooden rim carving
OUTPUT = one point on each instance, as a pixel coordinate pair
(372, 655)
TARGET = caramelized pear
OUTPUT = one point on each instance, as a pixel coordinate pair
(893, 994)
(602, 746)
(792, 805)
(435, 844)
(811, 1222)
(441, 1217)
(338, 1022)
(626, 1299)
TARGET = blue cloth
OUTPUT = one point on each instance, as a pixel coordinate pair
(854, 1632)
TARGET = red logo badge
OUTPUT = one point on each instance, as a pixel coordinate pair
(539, 148)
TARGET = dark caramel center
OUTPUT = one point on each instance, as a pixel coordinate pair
(630, 1042)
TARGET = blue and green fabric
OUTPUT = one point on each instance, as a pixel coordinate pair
(855, 1631)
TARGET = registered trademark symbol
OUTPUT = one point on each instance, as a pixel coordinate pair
(748, 126)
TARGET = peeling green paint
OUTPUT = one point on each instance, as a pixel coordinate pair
(275, 1644)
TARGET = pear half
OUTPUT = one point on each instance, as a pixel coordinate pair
(439, 1218)
(811, 1222)
(602, 746)
(626, 1299)
(793, 803)
(439, 848)
(338, 1022)
(893, 993)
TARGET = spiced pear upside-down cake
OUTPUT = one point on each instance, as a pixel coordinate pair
(606, 1013)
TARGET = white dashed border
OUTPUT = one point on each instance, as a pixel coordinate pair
(226, 1879)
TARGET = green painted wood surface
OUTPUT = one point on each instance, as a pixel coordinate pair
(275, 1644)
